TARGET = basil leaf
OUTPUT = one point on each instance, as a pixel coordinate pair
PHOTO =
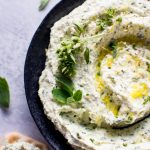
(60, 95)
(77, 95)
(4, 93)
(65, 83)
(87, 55)
(43, 4)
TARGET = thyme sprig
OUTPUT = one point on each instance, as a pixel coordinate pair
(67, 55)
(69, 50)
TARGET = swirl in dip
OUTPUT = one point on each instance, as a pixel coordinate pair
(97, 75)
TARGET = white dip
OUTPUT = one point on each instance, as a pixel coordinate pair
(115, 83)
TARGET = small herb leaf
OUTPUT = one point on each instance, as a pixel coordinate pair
(79, 28)
(77, 95)
(87, 55)
(113, 48)
(43, 4)
(107, 19)
(60, 95)
(148, 67)
(4, 93)
(119, 19)
(146, 100)
(65, 83)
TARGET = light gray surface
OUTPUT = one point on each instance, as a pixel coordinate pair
(19, 19)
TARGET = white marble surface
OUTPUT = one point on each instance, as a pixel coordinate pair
(19, 19)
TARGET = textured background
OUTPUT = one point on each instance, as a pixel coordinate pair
(19, 19)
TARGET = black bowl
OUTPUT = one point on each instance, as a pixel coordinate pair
(34, 65)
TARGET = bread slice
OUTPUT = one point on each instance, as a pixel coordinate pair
(13, 137)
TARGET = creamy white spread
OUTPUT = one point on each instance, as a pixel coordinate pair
(115, 86)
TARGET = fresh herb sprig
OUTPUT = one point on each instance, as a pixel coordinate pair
(66, 53)
(69, 50)
(65, 92)
(4, 93)
(106, 19)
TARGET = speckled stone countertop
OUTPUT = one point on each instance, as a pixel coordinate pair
(19, 19)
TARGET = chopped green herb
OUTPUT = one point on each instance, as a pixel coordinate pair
(130, 118)
(98, 74)
(92, 140)
(4, 93)
(146, 100)
(119, 19)
(112, 80)
(113, 47)
(148, 67)
(87, 55)
(43, 4)
(101, 24)
(78, 136)
(106, 19)
(77, 95)
(134, 46)
(111, 12)
(125, 144)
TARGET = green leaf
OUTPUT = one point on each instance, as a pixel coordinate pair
(65, 83)
(146, 100)
(77, 95)
(4, 93)
(43, 4)
(60, 95)
(79, 28)
(87, 55)
(119, 19)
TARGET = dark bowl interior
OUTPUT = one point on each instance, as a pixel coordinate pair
(34, 65)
